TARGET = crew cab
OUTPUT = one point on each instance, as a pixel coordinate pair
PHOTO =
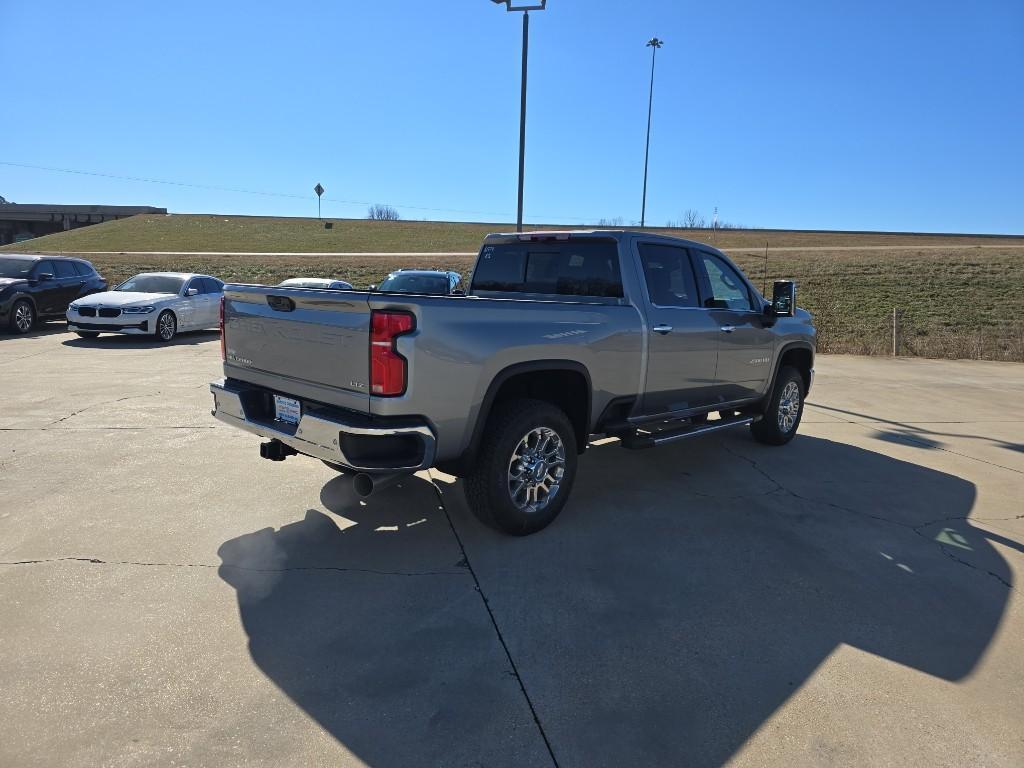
(560, 337)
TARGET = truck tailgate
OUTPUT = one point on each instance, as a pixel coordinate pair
(306, 343)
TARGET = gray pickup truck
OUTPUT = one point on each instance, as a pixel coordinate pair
(560, 336)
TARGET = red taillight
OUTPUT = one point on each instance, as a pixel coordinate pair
(387, 367)
(223, 347)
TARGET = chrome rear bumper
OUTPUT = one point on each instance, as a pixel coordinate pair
(321, 434)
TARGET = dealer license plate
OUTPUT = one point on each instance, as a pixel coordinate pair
(287, 410)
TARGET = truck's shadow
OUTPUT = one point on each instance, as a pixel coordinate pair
(683, 596)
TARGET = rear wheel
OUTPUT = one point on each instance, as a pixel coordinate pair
(166, 325)
(525, 468)
(785, 408)
(23, 316)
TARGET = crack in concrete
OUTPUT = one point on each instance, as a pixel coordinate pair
(917, 529)
(97, 405)
(514, 671)
(337, 569)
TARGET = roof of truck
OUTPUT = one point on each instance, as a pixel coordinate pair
(617, 234)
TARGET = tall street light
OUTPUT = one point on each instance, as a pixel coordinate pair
(654, 44)
(509, 6)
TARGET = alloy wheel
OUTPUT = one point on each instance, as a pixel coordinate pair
(789, 406)
(536, 469)
(23, 317)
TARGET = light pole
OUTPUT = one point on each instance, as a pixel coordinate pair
(522, 97)
(654, 44)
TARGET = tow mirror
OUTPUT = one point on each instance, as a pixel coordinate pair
(784, 298)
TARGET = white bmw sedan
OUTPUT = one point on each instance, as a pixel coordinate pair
(154, 303)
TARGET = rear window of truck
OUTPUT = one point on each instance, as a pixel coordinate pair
(563, 268)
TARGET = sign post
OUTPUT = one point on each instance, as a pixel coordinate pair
(319, 191)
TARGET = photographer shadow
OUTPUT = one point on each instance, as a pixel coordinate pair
(370, 622)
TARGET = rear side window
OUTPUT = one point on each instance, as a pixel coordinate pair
(83, 269)
(669, 275)
(562, 268)
(65, 269)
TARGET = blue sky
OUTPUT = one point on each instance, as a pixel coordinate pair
(868, 115)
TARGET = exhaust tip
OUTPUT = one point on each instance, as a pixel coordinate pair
(363, 485)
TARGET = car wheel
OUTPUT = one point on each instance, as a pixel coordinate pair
(785, 408)
(88, 334)
(525, 468)
(166, 326)
(23, 316)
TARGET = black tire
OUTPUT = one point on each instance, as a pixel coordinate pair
(488, 487)
(23, 316)
(776, 429)
(88, 334)
(166, 326)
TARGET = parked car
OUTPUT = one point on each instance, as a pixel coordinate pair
(34, 288)
(323, 283)
(157, 304)
(430, 282)
(562, 336)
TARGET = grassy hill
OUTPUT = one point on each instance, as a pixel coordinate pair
(960, 296)
(263, 234)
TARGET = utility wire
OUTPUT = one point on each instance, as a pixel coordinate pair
(236, 190)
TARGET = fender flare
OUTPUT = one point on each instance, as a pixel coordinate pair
(778, 360)
(531, 366)
(28, 297)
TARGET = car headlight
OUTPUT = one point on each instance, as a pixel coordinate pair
(73, 307)
(136, 310)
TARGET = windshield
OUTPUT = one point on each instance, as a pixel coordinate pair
(16, 267)
(413, 283)
(152, 284)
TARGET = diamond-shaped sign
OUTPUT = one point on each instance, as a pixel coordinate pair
(319, 190)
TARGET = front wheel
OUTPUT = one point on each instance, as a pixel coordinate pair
(23, 316)
(525, 468)
(784, 410)
(166, 325)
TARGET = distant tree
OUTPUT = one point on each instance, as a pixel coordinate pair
(382, 213)
(693, 220)
(614, 222)
(4, 200)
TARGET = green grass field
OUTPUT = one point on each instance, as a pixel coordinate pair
(960, 296)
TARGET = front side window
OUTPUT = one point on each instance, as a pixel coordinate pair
(197, 284)
(43, 268)
(561, 268)
(728, 291)
(669, 275)
(213, 285)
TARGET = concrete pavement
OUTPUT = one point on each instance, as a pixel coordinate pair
(170, 599)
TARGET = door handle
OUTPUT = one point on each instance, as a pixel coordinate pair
(728, 328)
(662, 329)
